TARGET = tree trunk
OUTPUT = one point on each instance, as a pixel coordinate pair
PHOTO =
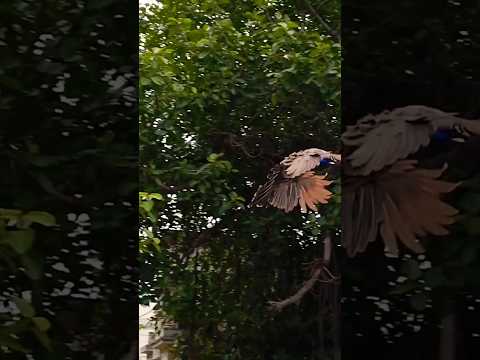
(447, 348)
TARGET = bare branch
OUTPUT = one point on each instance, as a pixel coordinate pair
(47, 185)
(319, 273)
(169, 189)
(327, 250)
(295, 299)
(235, 143)
(322, 20)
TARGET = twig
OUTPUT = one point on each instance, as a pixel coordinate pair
(295, 299)
(169, 189)
(235, 143)
(51, 190)
(322, 21)
(319, 268)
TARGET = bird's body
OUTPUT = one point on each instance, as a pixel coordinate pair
(292, 182)
(380, 140)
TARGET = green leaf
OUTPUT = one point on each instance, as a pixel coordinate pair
(157, 80)
(20, 240)
(147, 205)
(150, 196)
(155, 196)
(13, 344)
(26, 309)
(41, 323)
(274, 99)
(145, 81)
(40, 217)
(214, 157)
(33, 267)
(10, 214)
(156, 244)
(43, 338)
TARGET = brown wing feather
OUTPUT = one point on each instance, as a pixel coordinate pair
(399, 133)
(361, 214)
(312, 190)
(405, 203)
(264, 192)
(291, 183)
(286, 193)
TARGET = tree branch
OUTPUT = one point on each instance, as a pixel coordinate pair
(49, 188)
(235, 143)
(169, 189)
(322, 21)
(295, 299)
(319, 268)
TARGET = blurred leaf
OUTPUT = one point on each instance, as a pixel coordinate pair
(11, 343)
(10, 214)
(41, 323)
(40, 217)
(147, 205)
(43, 338)
(20, 240)
(33, 266)
(26, 309)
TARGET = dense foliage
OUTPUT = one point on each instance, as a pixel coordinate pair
(396, 54)
(228, 89)
(68, 149)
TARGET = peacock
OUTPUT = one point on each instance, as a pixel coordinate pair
(292, 182)
(384, 191)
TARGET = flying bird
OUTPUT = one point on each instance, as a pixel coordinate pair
(384, 191)
(293, 182)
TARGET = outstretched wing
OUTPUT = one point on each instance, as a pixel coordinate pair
(401, 203)
(286, 193)
(398, 133)
(292, 182)
(312, 190)
(263, 195)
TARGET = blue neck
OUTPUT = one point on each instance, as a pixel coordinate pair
(326, 162)
(442, 135)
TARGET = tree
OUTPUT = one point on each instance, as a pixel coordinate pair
(397, 54)
(68, 154)
(226, 91)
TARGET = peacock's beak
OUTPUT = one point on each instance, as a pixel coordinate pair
(336, 158)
